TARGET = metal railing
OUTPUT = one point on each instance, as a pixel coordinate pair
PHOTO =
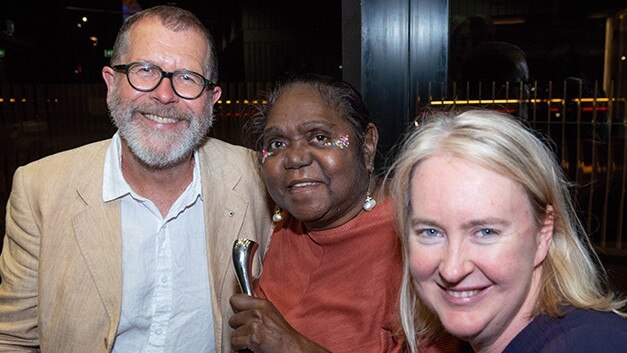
(586, 127)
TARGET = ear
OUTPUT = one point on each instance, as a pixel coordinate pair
(371, 139)
(107, 75)
(545, 236)
(217, 93)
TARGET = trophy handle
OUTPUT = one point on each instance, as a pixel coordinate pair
(243, 253)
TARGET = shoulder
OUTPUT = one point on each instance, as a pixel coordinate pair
(64, 165)
(220, 154)
(381, 216)
(580, 330)
(230, 170)
(587, 322)
(85, 152)
(38, 187)
(584, 324)
(591, 331)
(227, 151)
(376, 232)
(234, 166)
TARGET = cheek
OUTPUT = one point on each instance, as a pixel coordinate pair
(127, 93)
(507, 265)
(332, 161)
(271, 171)
(343, 167)
(340, 157)
(201, 107)
(422, 262)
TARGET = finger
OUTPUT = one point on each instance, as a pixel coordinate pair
(240, 302)
(241, 340)
(239, 319)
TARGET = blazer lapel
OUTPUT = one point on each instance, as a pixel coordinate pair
(223, 220)
(97, 230)
(224, 215)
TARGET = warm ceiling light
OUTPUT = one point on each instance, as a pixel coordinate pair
(509, 21)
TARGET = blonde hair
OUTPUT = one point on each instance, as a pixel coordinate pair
(571, 273)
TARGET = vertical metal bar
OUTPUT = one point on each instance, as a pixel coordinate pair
(593, 141)
(621, 207)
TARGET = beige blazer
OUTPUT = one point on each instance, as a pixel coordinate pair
(61, 267)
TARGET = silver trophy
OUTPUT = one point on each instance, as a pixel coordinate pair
(243, 253)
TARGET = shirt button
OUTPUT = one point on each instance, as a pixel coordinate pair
(159, 331)
(164, 279)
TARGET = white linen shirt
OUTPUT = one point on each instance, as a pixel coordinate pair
(166, 298)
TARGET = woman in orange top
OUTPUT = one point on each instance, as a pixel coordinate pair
(332, 272)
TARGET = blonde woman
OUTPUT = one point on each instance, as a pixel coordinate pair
(493, 250)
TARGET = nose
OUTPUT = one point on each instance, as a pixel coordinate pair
(455, 263)
(297, 155)
(164, 92)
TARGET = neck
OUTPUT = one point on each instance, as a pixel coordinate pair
(161, 186)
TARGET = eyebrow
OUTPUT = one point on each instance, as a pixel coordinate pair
(307, 125)
(485, 221)
(466, 225)
(415, 221)
(150, 62)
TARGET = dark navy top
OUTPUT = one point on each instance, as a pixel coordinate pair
(579, 331)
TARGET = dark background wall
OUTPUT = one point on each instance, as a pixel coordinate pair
(256, 40)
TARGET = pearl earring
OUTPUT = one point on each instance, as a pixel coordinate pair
(277, 216)
(370, 202)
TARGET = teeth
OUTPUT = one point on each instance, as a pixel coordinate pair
(462, 294)
(160, 120)
(300, 185)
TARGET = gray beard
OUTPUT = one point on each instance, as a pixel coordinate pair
(158, 149)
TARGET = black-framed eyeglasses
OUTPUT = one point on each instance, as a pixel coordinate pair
(146, 77)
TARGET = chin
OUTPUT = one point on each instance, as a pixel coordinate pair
(304, 211)
(461, 327)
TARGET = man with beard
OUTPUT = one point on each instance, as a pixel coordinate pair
(124, 245)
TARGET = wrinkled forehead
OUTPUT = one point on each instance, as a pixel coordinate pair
(150, 40)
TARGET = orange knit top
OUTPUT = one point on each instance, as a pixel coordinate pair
(338, 287)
